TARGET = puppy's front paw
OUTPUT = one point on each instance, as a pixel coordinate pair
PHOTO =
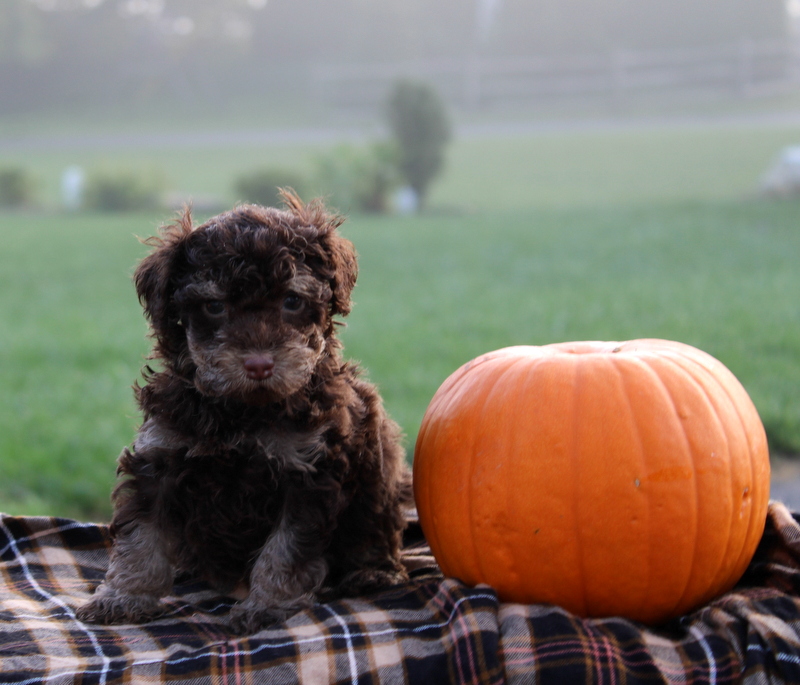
(111, 606)
(248, 617)
(365, 581)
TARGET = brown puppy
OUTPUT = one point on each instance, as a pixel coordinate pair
(264, 460)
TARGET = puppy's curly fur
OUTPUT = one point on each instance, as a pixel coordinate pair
(264, 460)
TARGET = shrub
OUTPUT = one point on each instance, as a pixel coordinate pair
(421, 129)
(261, 186)
(123, 191)
(16, 187)
(359, 179)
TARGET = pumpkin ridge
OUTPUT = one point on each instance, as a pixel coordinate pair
(451, 398)
(688, 452)
(576, 384)
(642, 460)
(499, 555)
(445, 397)
(759, 521)
(471, 515)
(521, 369)
(737, 569)
(685, 362)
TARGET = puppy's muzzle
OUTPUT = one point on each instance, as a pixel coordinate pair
(259, 367)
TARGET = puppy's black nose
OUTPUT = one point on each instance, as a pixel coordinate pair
(259, 367)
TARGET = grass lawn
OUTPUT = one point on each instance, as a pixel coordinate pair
(636, 166)
(433, 292)
(436, 292)
(605, 234)
(594, 168)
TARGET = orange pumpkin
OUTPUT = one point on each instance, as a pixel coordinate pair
(613, 479)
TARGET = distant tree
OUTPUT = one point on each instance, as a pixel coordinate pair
(262, 186)
(421, 129)
(16, 187)
(358, 179)
(123, 191)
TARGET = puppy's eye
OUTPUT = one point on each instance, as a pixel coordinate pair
(214, 308)
(292, 303)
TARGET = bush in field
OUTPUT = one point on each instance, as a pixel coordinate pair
(421, 129)
(123, 191)
(16, 187)
(359, 179)
(261, 186)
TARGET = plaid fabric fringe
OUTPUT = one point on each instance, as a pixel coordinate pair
(432, 630)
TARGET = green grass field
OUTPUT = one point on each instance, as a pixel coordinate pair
(608, 235)
(636, 166)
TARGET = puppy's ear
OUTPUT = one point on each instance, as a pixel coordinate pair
(340, 254)
(153, 276)
(345, 272)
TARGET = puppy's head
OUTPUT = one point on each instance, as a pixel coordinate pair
(244, 304)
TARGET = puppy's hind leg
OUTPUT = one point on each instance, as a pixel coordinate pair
(367, 548)
(138, 576)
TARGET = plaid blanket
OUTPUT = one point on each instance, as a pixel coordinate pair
(432, 630)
